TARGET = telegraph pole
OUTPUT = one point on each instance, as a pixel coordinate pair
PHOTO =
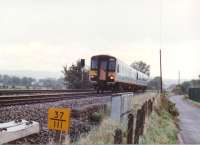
(161, 82)
(82, 71)
(179, 78)
(161, 87)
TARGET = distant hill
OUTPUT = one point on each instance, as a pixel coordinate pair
(172, 82)
(33, 74)
(169, 82)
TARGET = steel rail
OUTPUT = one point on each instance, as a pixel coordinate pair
(8, 100)
(31, 91)
(41, 98)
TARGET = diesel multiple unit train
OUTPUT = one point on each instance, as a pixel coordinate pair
(109, 73)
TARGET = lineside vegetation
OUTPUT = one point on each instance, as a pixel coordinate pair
(162, 127)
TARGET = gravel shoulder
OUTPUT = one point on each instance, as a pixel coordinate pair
(189, 120)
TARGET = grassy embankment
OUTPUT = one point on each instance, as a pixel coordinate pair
(162, 128)
(104, 134)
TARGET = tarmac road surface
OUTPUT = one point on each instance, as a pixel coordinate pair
(189, 120)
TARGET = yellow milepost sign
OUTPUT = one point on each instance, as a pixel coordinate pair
(59, 119)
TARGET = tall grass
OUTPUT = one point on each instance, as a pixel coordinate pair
(104, 134)
(162, 128)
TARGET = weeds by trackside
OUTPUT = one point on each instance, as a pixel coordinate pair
(162, 127)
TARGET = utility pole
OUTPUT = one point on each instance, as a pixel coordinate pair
(161, 82)
(82, 71)
(161, 87)
(179, 78)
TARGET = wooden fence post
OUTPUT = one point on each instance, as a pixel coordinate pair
(143, 119)
(118, 136)
(137, 128)
(146, 105)
(151, 102)
(130, 129)
(149, 107)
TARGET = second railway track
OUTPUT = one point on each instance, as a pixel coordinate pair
(38, 96)
(8, 100)
(33, 91)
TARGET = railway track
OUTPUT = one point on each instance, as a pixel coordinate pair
(15, 92)
(22, 97)
(8, 100)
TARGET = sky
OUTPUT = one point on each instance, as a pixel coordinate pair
(45, 35)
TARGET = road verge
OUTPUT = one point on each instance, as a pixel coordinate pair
(162, 127)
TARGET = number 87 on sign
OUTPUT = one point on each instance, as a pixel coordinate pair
(59, 119)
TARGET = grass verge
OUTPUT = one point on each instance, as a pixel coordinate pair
(196, 103)
(162, 128)
(103, 134)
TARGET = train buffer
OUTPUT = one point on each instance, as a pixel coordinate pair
(17, 129)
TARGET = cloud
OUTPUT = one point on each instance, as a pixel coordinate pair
(45, 35)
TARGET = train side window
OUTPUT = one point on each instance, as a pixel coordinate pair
(118, 68)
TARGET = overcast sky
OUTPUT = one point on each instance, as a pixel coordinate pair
(44, 35)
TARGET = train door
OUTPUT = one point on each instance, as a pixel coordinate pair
(103, 70)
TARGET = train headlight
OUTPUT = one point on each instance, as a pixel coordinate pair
(112, 77)
(92, 76)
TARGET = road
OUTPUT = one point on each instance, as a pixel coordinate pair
(189, 120)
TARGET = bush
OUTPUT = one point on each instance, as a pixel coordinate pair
(96, 117)
(170, 107)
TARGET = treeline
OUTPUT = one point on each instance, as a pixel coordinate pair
(154, 84)
(14, 82)
(187, 84)
(74, 77)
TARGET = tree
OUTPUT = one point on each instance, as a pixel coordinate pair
(6, 80)
(73, 76)
(141, 66)
(185, 86)
(27, 81)
(154, 83)
(52, 83)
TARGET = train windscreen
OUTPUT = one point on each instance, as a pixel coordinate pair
(112, 64)
(94, 63)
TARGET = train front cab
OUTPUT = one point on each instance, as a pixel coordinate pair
(102, 73)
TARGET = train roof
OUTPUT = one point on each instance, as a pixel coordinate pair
(104, 55)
